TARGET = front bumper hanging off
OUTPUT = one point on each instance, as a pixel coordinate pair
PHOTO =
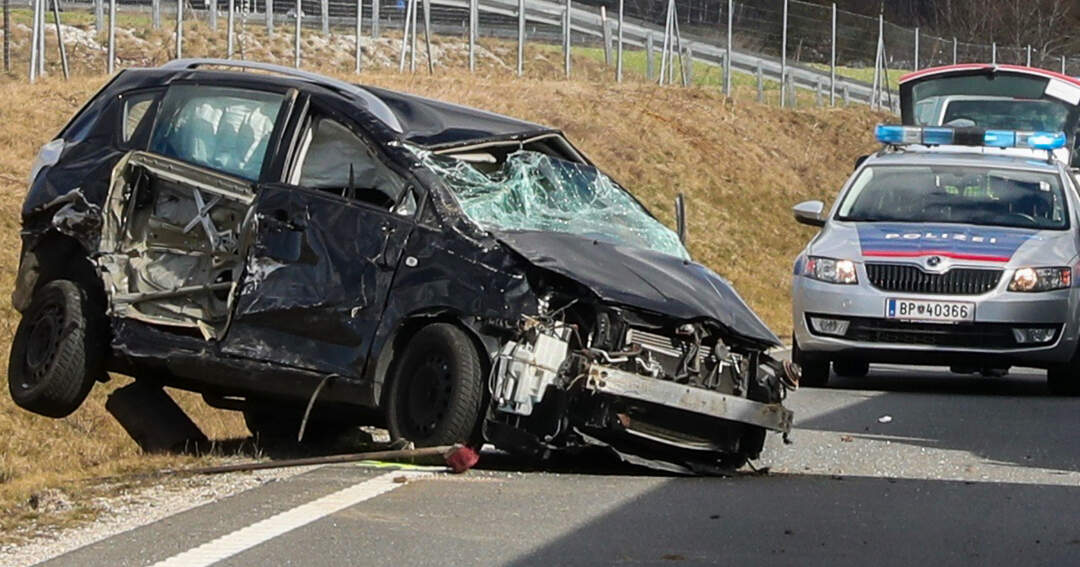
(607, 380)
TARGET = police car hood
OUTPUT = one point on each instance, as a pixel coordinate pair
(950, 243)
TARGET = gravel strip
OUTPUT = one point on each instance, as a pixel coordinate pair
(138, 507)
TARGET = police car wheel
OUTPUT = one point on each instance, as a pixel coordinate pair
(1063, 380)
(851, 368)
(815, 368)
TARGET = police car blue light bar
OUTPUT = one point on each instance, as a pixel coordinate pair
(941, 136)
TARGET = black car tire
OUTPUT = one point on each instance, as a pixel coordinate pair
(815, 368)
(58, 351)
(435, 394)
(1063, 380)
(849, 368)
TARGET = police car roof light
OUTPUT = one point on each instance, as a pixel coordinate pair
(896, 135)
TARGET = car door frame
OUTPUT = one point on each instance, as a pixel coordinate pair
(281, 165)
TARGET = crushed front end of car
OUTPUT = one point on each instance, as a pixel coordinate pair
(632, 346)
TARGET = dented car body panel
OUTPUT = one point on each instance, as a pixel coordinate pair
(280, 238)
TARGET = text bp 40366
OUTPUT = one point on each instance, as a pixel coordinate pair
(931, 311)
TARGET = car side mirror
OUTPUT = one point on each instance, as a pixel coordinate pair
(680, 217)
(810, 212)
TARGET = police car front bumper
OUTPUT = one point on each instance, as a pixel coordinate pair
(988, 340)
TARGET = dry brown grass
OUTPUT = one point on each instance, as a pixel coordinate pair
(741, 164)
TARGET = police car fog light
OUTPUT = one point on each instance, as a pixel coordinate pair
(1034, 335)
(835, 327)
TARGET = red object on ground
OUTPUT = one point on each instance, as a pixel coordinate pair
(461, 459)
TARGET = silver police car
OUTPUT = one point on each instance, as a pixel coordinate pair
(954, 247)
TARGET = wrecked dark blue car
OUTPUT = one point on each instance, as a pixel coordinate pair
(277, 238)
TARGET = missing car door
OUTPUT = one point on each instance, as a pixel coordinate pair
(170, 250)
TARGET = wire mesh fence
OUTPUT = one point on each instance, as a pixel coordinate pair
(812, 46)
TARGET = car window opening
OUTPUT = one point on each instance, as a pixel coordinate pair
(222, 128)
(505, 188)
(336, 160)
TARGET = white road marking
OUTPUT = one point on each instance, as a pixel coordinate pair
(265, 530)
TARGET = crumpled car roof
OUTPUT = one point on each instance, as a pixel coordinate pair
(433, 123)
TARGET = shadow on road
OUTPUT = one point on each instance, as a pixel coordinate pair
(820, 520)
(1008, 420)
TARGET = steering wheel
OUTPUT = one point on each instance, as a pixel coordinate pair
(1026, 217)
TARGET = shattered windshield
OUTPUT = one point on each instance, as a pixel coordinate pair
(533, 191)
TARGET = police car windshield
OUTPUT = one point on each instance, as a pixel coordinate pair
(954, 194)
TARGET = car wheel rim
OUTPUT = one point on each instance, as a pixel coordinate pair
(43, 342)
(428, 396)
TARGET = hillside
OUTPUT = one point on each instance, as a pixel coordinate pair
(741, 165)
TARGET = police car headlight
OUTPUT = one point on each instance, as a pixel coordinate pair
(831, 270)
(1041, 279)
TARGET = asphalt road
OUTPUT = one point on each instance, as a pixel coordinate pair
(962, 471)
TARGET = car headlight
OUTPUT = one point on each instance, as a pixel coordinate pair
(1041, 279)
(831, 270)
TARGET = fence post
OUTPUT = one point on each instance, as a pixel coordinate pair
(405, 34)
(760, 82)
(916, 60)
(7, 36)
(876, 90)
(566, 39)
(375, 18)
(727, 59)
(359, 27)
(112, 35)
(817, 92)
(605, 36)
(1029, 55)
(618, 50)
(296, 40)
(41, 37)
(832, 61)
(155, 14)
(474, 15)
(34, 42)
(60, 39)
(324, 16)
(412, 42)
(1062, 64)
(847, 96)
(179, 29)
(427, 37)
(688, 67)
(783, 58)
(649, 65)
(993, 52)
(229, 30)
(270, 17)
(521, 38)
(954, 51)
(99, 16)
(211, 5)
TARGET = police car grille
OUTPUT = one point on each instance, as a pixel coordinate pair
(957, 281)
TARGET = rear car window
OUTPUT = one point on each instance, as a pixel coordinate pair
(223, 128)
(957, 194)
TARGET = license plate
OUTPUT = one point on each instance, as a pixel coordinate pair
(934, 311)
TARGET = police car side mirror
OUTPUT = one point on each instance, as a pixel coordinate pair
(810, 212)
